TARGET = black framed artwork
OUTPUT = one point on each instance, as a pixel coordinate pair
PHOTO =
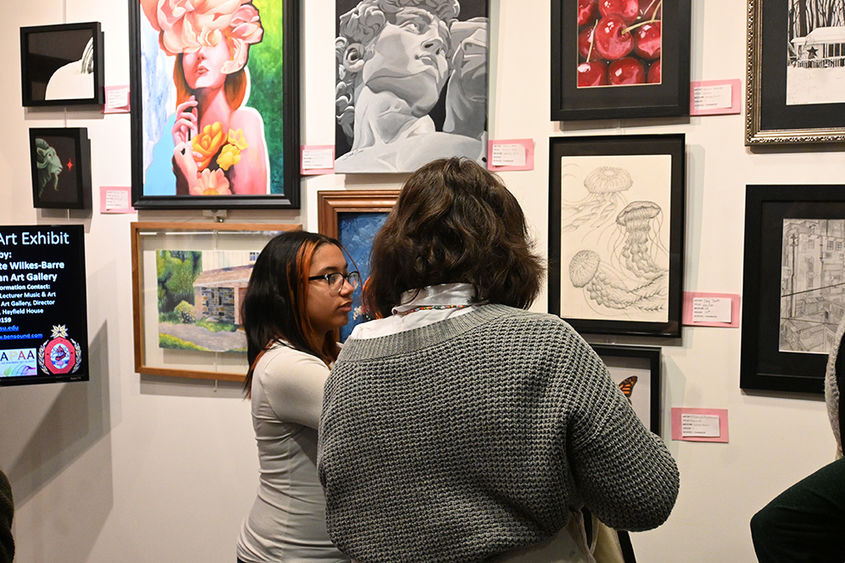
(636, 369)
(795, 61)
(62, 64)
(616, 228)
(620, 58)
(60, 161)
(793, 283)
(411, 83)
(215, 104)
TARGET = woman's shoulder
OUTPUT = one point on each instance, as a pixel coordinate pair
(282, 357)
(245, 117)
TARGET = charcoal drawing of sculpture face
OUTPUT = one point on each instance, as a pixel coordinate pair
(409, 59)
(411, 83)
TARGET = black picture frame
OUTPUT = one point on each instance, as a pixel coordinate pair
(769, 119)
(771, 284)
(624, 361)
(60, 164)
(609, 222)
(280, 121)
(667, 99)
(49, 52)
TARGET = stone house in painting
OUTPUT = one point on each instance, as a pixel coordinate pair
(218, 294)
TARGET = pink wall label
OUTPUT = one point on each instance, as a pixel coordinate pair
(117, 99)
(700, 425)
(711, 309)
(116, 199)
(510, 154)
(317, 159)
(714, 97)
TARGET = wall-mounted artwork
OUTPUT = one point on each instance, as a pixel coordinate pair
(616, 224)
(188, 282)
(62, 64)
(796, 235)
(354, 217)
(60, 163)
(795, 72)
(215, 111)
(636, 370)
(411, 83)
(620, 58)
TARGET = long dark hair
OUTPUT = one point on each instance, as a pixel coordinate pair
(274, 305)
(454, 222)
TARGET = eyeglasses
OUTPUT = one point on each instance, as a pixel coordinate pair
(336, 280)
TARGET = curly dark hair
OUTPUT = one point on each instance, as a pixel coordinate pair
(454, 222)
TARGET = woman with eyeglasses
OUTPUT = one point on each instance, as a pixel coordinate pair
(299, 294)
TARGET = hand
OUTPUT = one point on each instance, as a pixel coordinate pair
(185, 127)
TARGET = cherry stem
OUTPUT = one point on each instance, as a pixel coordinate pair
(653, 19)
(592, 41)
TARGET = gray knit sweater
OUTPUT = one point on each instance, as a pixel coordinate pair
(474, 436)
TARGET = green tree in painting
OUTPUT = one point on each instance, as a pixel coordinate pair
(176, 271)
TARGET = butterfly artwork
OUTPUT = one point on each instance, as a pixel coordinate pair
(627, 386)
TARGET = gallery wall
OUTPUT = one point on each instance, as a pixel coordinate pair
(137, 468)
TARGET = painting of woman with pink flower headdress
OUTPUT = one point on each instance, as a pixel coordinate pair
(211, 81)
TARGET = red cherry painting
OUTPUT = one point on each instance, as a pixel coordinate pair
(626, 71)
(628, 10)
(612, 40)
(649, 40)
(649, 7)
(585, 46)
(588, 11)
(654, 73)
(592, 74)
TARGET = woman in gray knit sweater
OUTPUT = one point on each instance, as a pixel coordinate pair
(460, 427)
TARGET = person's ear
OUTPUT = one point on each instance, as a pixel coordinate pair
(353, 57)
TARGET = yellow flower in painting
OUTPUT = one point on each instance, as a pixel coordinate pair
(229, 156)
(207, 143)
(236, 137)
(211, 183)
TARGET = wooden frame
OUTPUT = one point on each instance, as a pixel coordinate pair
(255, 165)
(792, 274)
(782, 103)
(603, 190)
(158, 250)
(331, 207)
(58, 58)
(666, 96)
(642, 362)
(60, 167)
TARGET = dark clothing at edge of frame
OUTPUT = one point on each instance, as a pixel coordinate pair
(7, 543)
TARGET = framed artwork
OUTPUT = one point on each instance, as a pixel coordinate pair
(614, 59)
(60, 162)
(793, 285)
(616, 228)
(188, 282)
(795, 71)
(636, 369)
(62, 64)
(215, 104)
(354, 217)
(411, 83)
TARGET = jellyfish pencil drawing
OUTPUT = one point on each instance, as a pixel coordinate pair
(606, 287)
(640, 224)
(604, 186)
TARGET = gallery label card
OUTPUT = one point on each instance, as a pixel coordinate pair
(711, 309)
(117, 99)
(116, 199)
(511, 154)
(317, 159)
(700, 425)
(715, 97)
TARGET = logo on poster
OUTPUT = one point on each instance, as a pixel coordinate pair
(60, 354)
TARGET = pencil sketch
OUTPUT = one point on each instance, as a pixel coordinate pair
(815, 45)
(616, 250)
(411, 83)
(812, 284)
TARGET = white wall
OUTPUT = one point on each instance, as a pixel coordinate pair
(136, 469)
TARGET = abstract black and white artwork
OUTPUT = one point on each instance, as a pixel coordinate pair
(411, 83)
(815, 71)
(812, 289)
